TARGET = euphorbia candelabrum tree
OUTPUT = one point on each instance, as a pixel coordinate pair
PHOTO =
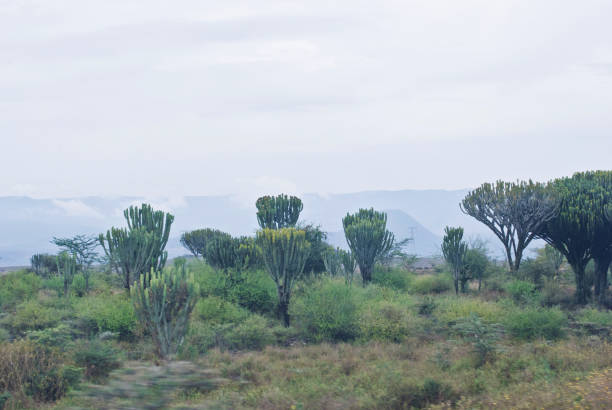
(284, 253)
(276, 212)
(368, 238)
(454, 250)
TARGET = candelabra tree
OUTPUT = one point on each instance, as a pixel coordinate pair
(368, 238)
(332, 258)
(197, 240)
(284, 252)
(349, 265)
(67, 267)
(454, 250)
(276, 212)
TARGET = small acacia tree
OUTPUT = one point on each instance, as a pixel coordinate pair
(83, 247)
(284, 253)
(164, 305)
(454, 250)
(515, 212)
(368, 238)
(276, 212)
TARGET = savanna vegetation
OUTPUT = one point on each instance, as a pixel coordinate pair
(282, 320)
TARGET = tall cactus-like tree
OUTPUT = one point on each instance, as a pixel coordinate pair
(277, 212)
(454, 250)
(578, 225)
(284, 253)
(602, 241)
(164, 305)
(515, 212)
(368, 238)
(67, 266)
(197, 240)
(332, 258)
(141, 248)
(349, 265)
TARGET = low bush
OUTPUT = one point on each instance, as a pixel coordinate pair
(253, 334)
(553, 294)
(257, 292)
(598, 317)
(386, 321)
(77, 287)
(425, 284)
(394, 278)
(32, 315)
(58, 337)
(54, 283)
(450, 309)
(97, 358)
(107, 313)
(214, 310)
(326, 311)
(17, 287)
(532, 323)
(522, 292)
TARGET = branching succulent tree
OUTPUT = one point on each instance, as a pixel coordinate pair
(83, 247)
(163, 306)
(43, 264)
(602, 241)
(67, 266)
(576, 228)
(139, 249)
(513, 211)
(333, 260)
(349, 265)
(232, 256)
(368, 238)
(284, 253)
(454, 250)
(276, 212)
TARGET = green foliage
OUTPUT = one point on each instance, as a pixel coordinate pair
(327, 311)
(454, 250)
(475, 265)
(316, 238)
(97, 357)
(393, 278)
(481, 335)
(284, 253)
(427, 284)
(83, 248)
(163, 307)
(17, 287)
(256, 292)
(32, 315)
(79, 285)
(451, 309)
(388, 322)
(215, 310)
(232, 255)
(57, 337)
(598, 317)
(54, 283)
(522, 292)
(368, 238)
(532, 323)
(252, 334)
(107, 313)
(349, 265)
(278, 212)
(67, 266)
(197, 240)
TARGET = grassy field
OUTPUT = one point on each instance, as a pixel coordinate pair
(403, 342)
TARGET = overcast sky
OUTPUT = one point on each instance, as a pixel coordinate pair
(144, 97)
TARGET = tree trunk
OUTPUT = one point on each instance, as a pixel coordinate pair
(283, 313)
(456, 282)
(582, 293)
(65, 286)
(366, 275)
(509, 257)
(602, 264)
(126, 282)
(517, 260)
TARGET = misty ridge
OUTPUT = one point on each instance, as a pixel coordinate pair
(29, 224)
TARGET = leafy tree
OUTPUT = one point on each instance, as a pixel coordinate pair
(368, 238)
(515, 212)
(316, 238)
(83, 247)
(67, 265)
(163, 307)
(276, 212)
(139, 249)
(284, 254)
(578, 225)
(454, 250)
(475, 264)
(196, 241)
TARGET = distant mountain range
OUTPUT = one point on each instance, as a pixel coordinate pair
(27, 225)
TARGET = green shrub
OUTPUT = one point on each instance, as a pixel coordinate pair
(392, 278)
(522, 292)
(252, 334)
(553, 294)
(482, 336)
(591, 315)
(450, 309)
(97, 357)
(17, 287)
(327, 311)
(386, 321)
(215, 310)
(32, 315)
(403, 393)
(257, 292)
(532, 323)
(107, 313)
(77, 286)
(4, 335)
(58, 337)
(425, 284)
(54, 283)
